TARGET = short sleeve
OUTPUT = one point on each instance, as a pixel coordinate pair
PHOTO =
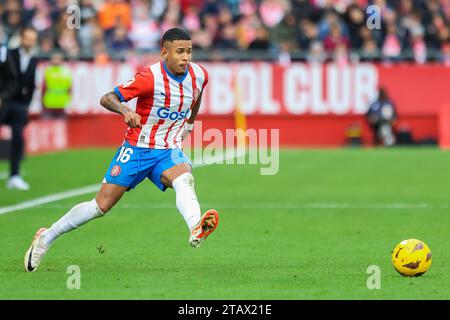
(205, 81)
(141, 85)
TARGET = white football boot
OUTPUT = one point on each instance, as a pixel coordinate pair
(208, 223)
(36, 252)
(17, 183)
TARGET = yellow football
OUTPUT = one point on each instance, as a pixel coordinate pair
(411, 257)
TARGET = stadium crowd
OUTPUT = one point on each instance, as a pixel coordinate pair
(415, 30)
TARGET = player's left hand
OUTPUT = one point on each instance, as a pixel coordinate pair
(132, 119)
(187, 130)
(185, 134)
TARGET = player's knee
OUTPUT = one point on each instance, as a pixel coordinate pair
(102, 207)
(189, 179)
(185, 179)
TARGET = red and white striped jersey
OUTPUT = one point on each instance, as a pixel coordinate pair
(164, 103)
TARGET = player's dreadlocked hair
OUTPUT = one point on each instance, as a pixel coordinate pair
(175, 34)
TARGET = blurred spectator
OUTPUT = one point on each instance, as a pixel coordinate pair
(330, 19)
(101, 56)
(335, 38)
(8, 81)
(56, 89)
(369, 51)
(381, 116)
(201, 39)
(285, 31)
(68, 42)
(419, 49)
(171, 17)
(46, 43)
(248, 7)
(12, 18)
(90, 35)
(233, 5)
(247, 29)
(227, 37)
(391, 45)
(340, 55)
(435, 27)
(308, 33)
(411, 30)
(446, 54)
(316, 53)
(211, 25)
(119, 42)
(144, 32)
(186, 5)
(272, 12)
(157, 8)
(303, 9)
(114, 11)
(365, 35)
(261, 41)
(87, 10)
(41, 19)
(191, 19)
(225, 16)
(3, 39)
(356, 20)
(284, 54)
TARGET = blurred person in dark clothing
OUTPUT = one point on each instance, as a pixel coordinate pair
(227, 37)
(8, 78)
(308, 34)
(381, 117)
(355, 20)
(12, 24)
(14, 108)
(303, 9)
(335, 38)
(285, 31)
(261, 42)
(119, 43)
(201, 39)
(369, 51)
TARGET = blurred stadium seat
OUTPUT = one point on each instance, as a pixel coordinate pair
(410, 30)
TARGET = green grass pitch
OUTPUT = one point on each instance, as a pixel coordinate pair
(309, 232)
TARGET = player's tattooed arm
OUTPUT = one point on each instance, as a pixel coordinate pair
(195, 109)
(189, 126)
(112, 102)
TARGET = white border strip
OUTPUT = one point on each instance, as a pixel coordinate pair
(277, 206)
(50, 198)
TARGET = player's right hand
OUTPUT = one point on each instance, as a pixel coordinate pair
(132, 119)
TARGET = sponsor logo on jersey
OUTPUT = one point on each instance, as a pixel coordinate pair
(165, 113)
(115, 171)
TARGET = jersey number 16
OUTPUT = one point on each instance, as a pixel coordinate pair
(124, 155)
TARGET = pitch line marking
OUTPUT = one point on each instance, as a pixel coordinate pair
(262, 205)
(93, 188)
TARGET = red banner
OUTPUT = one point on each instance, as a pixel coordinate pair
(270, 89)
(310, 104)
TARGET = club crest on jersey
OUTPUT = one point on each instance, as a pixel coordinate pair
(165, 113)
(129, 82)
(196, 94)
(115, 171)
